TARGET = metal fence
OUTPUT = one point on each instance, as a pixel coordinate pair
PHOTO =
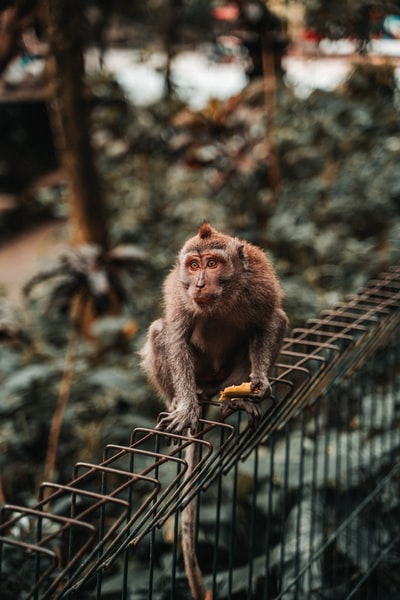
(305, 506)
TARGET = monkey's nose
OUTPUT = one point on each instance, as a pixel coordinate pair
(200, 283)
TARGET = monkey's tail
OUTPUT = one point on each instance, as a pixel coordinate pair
(192, 568)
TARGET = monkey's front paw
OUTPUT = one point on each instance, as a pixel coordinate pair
(260, 388)
(251, 408)
(180, 419)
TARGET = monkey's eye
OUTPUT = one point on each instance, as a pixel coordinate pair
(212, 263)
(194, 265)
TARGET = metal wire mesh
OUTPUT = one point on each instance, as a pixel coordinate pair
(307, 505)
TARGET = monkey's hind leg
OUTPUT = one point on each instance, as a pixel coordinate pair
(155, 360)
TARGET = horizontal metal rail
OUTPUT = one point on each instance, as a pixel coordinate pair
(79, 529)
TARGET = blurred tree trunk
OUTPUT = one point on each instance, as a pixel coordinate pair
(169, 35)
(270, 87)
(70, 110)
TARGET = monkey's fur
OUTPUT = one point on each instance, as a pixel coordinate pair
(223, 325)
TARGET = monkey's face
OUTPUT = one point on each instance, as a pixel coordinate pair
(204, 275)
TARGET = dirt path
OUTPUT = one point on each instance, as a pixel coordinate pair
(23, 256)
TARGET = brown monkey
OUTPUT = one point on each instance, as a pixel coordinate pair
(223, 325)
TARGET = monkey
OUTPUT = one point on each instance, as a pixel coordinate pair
(223, 324)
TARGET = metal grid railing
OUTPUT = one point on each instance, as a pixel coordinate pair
(319, 467)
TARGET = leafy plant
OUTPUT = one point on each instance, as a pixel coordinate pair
(88, 282)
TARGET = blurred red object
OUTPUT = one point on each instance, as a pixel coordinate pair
(229, 12)
(310, 35)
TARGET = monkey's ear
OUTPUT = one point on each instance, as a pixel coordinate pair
(243, 256)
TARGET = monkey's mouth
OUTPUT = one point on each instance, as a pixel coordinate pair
(203, 299)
